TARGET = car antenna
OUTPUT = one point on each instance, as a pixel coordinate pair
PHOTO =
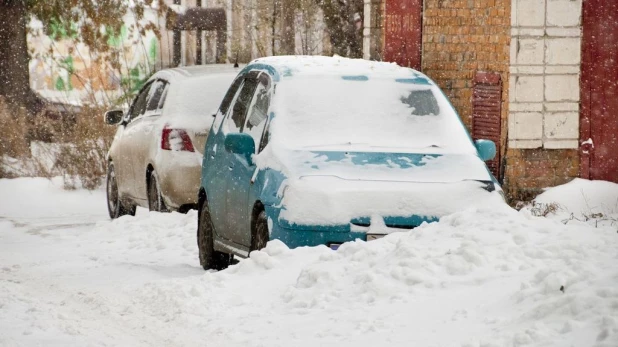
(236, 62)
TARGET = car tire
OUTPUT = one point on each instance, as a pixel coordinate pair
(115, 206)
(209, 258)
(259, 232)
(155, 200)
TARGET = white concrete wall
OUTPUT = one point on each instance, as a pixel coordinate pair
(544, 73)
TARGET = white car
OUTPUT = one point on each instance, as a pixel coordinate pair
(156, 155)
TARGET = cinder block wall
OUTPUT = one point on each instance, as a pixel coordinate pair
(543, 121)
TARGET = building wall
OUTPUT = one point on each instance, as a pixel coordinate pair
(535, 46)
(543, 127)
(63, 69)
(461, 37)
(530, 170)
(372, 30)
(250, 33)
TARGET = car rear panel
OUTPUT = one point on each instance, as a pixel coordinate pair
(199, 139)
(179, 174)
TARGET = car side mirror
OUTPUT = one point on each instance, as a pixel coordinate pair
(113, 117)
(486, 149)
(240, 143)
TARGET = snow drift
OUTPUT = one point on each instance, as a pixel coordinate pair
(487, 276)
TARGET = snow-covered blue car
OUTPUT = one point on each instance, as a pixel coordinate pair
(325, 150)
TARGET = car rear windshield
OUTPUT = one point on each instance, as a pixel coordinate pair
(402, 114)
(199, 97)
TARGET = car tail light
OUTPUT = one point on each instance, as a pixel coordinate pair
(176, 140)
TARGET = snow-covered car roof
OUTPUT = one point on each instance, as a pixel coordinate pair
(195, 92)
(288, 66)
(197, 71)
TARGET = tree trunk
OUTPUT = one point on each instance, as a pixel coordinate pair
(288, 44)
(14, 57)
(345, 40)
(198, 40)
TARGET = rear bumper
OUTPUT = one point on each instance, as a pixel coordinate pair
(297, 238)
(179, 177)
(313, 235)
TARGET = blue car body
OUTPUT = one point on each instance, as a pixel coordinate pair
(234, 182)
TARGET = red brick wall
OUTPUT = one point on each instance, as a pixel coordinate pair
(461, 37)
(530, 170)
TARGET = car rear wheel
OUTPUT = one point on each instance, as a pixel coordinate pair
(115, 206)
(259, 233)
(209, 258)
(155, 200)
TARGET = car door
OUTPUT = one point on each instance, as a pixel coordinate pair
(215, 172)
(242, 170)
(146, 136)
(233, 123)
(125, 163)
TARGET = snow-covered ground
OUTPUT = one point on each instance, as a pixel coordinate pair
(488, 277)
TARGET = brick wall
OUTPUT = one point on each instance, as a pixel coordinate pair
(529, 170)
(461, 37)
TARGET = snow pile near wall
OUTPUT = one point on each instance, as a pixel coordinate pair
(582, 197)
(580, 200)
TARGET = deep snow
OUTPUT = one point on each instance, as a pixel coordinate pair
(482, 277)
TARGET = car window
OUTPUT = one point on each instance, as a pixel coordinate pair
(139, 104)
(258, 110)
(421, 102)
(154, 95)
(163, 96)
(229, 96)
(238, 113)
(265, 136)
(228, 99)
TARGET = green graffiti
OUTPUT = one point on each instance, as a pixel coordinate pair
(58, 30)
(152, 52)
(135, 79)
(60, 84)
(113, 39)
(67, 64)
